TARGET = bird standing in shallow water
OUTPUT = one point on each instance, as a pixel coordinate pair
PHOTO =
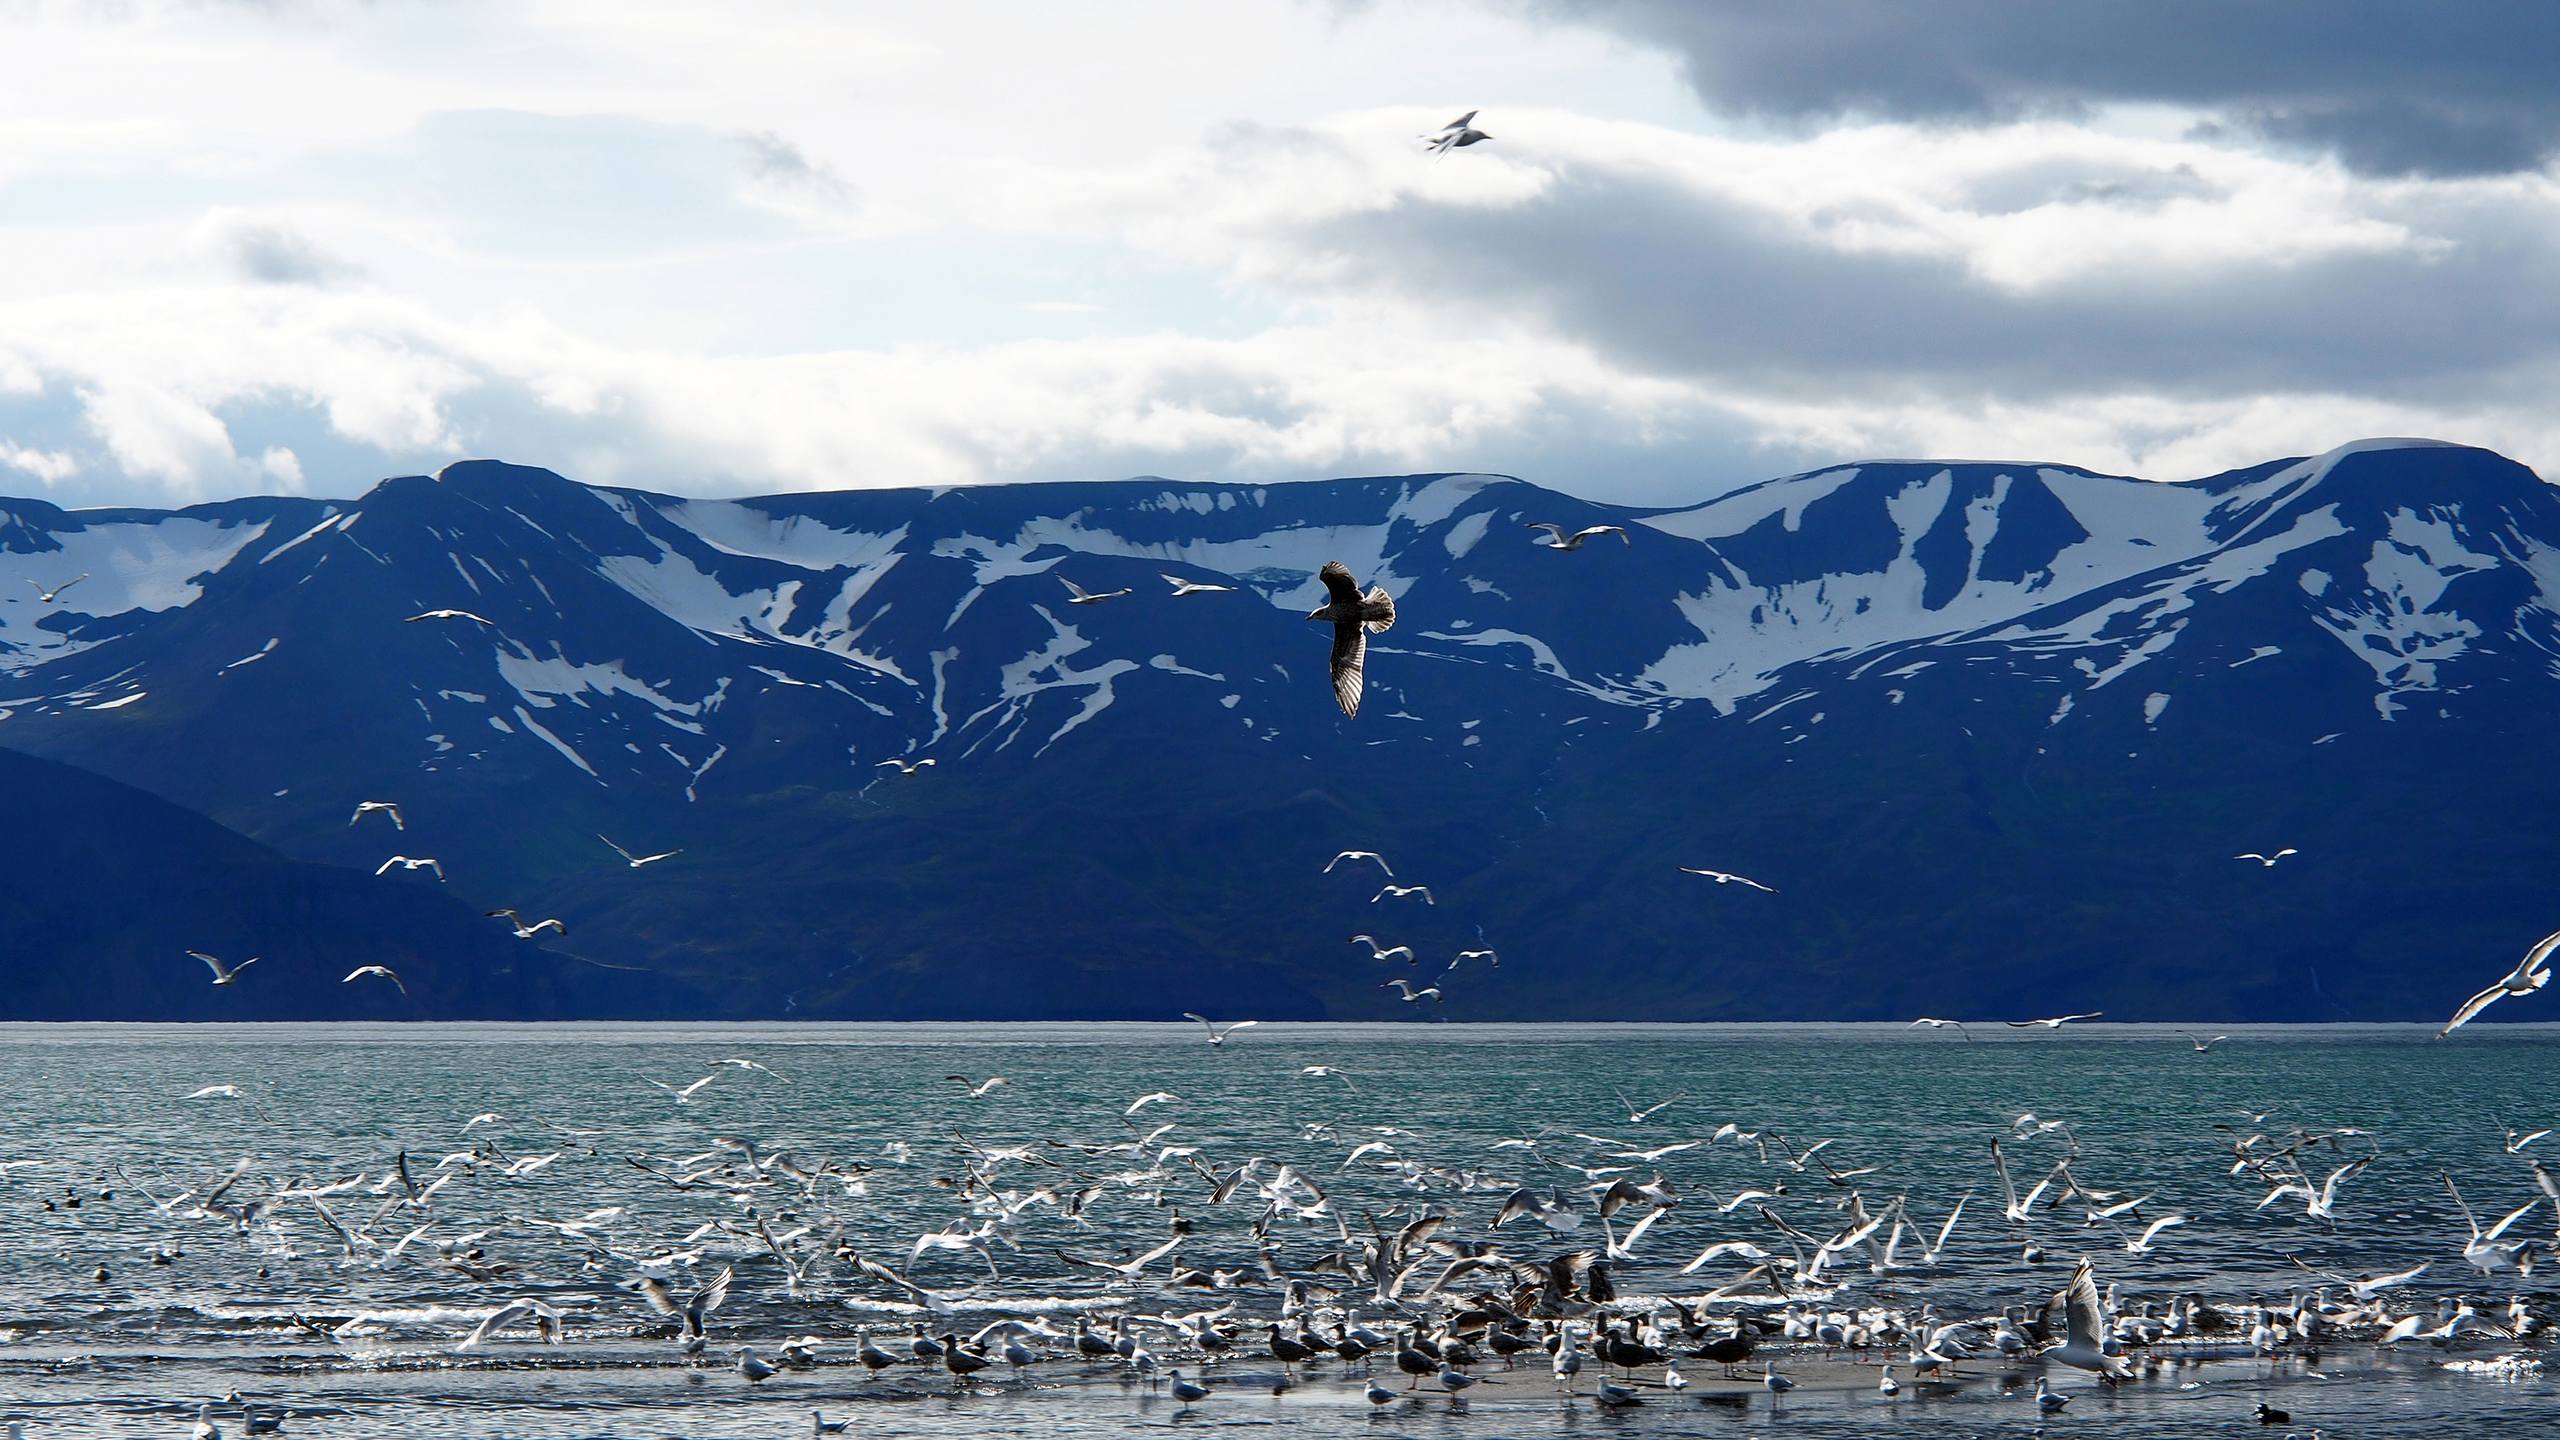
(1355, 617)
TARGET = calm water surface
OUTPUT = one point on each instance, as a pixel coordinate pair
(354, 1341)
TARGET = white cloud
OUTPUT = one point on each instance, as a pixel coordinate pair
(652, 243)
(50, 466)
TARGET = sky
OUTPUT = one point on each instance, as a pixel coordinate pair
(743, 248)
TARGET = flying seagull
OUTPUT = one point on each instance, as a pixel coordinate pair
(2267, 860)
(977, 1089)
(1359, 855)
(524, 931)
(1355, 618)
(905, 767)
(2085, 1328)
(1388, 953)
(1934, 1023)
(2054, 1023)
(1562, 541)
(1456, 135)
(385, 971)
(2204, 1043)
(1404, 990)
(1182, 587)
(685, 1095)
(1216, 1035)
(1723, 877)
(2531, 974)
(1077, 594)
(1334, 1072)
(450, 615)
(1637, 1116)
(410, 862)
(636, 861)
(1402, 892)
(367, 807)
(223, 976)
(45, 597)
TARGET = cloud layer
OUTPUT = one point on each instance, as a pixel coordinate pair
(301, 246)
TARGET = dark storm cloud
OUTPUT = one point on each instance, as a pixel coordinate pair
(1672, 281)
(2398, 87)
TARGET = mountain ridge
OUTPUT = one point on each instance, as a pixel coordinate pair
(1126, 794)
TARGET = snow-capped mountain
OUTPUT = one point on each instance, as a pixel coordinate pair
(1993, 731)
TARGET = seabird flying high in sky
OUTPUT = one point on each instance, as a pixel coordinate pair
(367, 807)
(1182, 587)
(905, 767)
(2266, 860)
(1355, 617)
(1562, 541)
(2531, 974)
(385, 971)
(450, 615)
(1078, 595)
(1723, 877)
(1356, 855)
(222, 976)
(636, 861)
(524, 931)
(410, 862)
(45, 597)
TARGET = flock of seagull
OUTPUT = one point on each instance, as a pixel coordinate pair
(1349, 1249)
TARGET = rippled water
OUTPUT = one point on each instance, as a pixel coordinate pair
(99, 1109)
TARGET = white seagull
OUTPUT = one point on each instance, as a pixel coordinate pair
(1182, 587)
(1078, 595)
(410, 862)
(385, 971)
(977, 1088)
(1404, 989)
(2083, 1347)
(450, 615)
(367, 807)
(1456, 137)
(1725, 878)
(685, 1095)
(1389, 953)
(222, 976)
(1334, 1072)
(636, 861)
(1405, 892)
(1359, 855)
(524, 931)
(2204, 1043)
(2531, 974)
(2055, 1022)
(2269, 861)
(2141, 1244)
(1562, 541)
(905, 767)
(45, 597)
(1216, 1035)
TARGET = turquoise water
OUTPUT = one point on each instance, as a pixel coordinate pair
(99, 1112)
